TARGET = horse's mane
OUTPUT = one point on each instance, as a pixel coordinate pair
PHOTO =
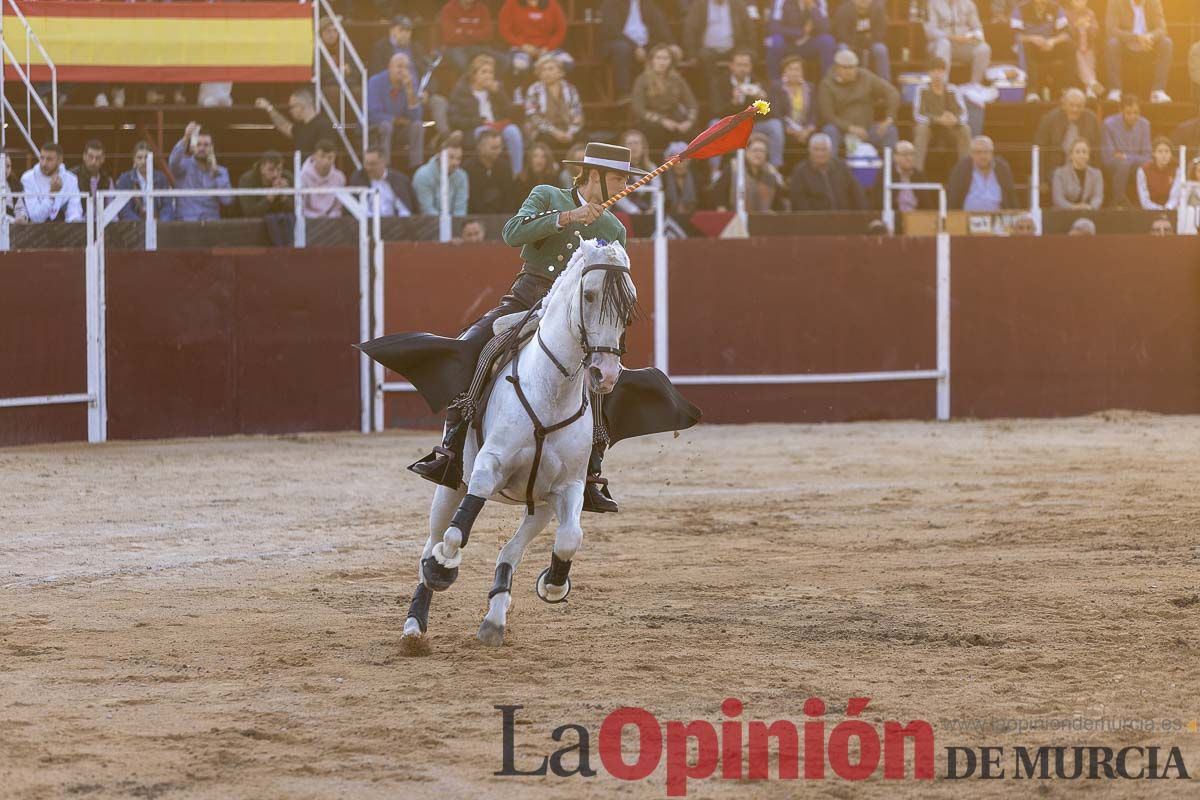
(617, 300)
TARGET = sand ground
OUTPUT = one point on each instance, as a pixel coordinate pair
(220, 618)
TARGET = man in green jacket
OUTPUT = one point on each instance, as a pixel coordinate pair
(547, 229)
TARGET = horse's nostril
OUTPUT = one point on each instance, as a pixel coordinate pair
(596, 374)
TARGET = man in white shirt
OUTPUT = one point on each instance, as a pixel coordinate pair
(396, 198)
(51, 191)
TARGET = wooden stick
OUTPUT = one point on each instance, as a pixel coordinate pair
(642, 181)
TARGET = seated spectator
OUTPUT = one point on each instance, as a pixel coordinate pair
(1157, 185)
(1076, 184)
(862, 26)
(847, 99)
(393, 106)
(427, 180)
(51, 189)
(480, 103)
(1137, 27)
(1023, 225)
(91, 174)
(399, 39)
(466, 28)
(765, 187)
(954, 34)
(939, 115)
(740, 91)
(396, 198)
(798, 27)
(627, 29)
(553, 108)
(904, 170)
(135, 181)
(639, 158)
(533, 29)
(306, 125)
(320, 172)
(1126, 145)
(193, 163)
(1041, 31)
(540, 168)
(1187, 134)
(490, 177)
(267, 173)
(1082, 227)
(663, 104)
(1162, 226)
(1060, 127)
(568, 173)
(793, 103)
(682, 196)
(713, 31)
(983, 181)
(823, 183)
(1085, 32)
(15, 209)
(474, 231)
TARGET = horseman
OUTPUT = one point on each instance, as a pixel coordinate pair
(548, 229)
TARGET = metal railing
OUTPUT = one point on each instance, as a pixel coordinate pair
(33, 99)
(347, 60)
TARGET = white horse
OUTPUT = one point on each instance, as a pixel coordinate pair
(537, 434)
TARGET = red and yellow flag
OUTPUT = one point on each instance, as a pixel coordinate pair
(107, 42)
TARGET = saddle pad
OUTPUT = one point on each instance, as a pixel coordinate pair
(504, 324)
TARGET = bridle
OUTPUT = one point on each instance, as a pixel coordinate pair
(584, 343)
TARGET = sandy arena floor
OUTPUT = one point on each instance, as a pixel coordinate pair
(221, 618)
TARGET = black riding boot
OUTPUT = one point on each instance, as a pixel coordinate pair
(444, 466)
(596, 496)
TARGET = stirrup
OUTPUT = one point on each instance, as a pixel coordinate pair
(598, 500)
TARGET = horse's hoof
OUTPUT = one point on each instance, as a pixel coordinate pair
(414, 646)
(491, 634)
(437, 577)
(551, 594)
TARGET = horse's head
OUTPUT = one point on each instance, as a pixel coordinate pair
(602, 303)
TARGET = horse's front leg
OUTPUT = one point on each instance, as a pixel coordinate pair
(441, 567)
(491, 631)
(553, 585)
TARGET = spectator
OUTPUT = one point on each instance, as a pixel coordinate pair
(399, 40)
(1041, 32)
(627, 29)
(306, 127)
(1082, 227)
(740, 91)
(663, 104)
(320, 172)
(427, 180)
(467, 33)
(553, 108)
(765, 187)
(1085, 30)
(540, 169)
(1161, 226)
(473, 231)
(1137, 27)
(983, 181)
(51, 190)
(490, 176)
(682, 197)
(14, 209)
(862, 26)
(193, 163)
(396, 198)
(940, 115)
(792, 102)
(1187, 134)
(847, 99)
(798, 27)
(533, 29)
(823, 183)
(479, 103)
(1157, 185)
(331, 39)
(904, 170)
(1023, 225)
(954, 34)
(91, 174)
(1191, 195)
(135, 181)
(1126, 144)
(1076, 184)
(566, 176)
(267, 173)
(639, 158)
(393, 104)
(1060, 127)
(713, 31)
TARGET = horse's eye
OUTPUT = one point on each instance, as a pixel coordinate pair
(589, 297)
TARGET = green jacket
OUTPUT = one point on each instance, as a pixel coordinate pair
(544, 248)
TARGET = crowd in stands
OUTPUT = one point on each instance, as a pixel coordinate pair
(493, 86)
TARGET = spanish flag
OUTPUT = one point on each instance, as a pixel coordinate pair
(107, 42)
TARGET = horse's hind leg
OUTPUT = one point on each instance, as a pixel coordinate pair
(553, 585)
(444, 502)
(491, 631)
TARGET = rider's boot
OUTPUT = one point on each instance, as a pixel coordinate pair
(444, 466)
(596, 496)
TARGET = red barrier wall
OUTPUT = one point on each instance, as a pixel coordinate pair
(43, 347)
